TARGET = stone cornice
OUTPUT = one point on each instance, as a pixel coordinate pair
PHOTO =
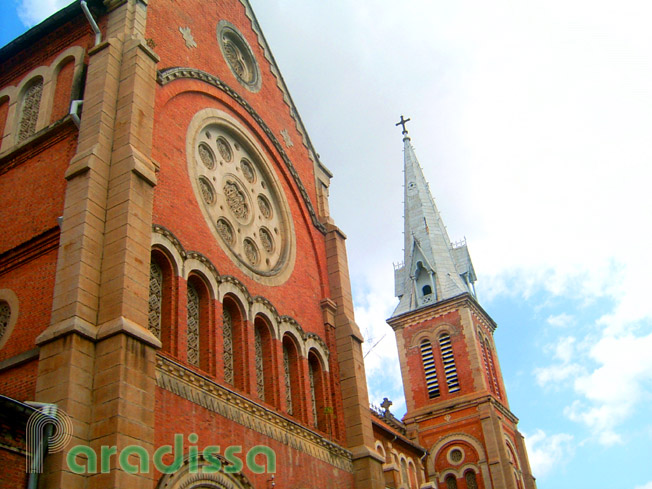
(205, 392)
(439, 309)
(447, 407)
(171, 74)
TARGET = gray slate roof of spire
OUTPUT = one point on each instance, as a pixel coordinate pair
(430, 259)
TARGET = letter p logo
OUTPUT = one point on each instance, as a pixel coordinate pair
(48, 428)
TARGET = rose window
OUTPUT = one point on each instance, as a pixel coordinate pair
(241, 198)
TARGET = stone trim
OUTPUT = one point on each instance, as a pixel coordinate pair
(204, 392)
(171, 74)
(439, 309)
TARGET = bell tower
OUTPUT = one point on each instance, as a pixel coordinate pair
(456, 401)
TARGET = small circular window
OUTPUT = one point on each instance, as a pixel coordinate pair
(455, 456)
(238, 55)
(240, 196)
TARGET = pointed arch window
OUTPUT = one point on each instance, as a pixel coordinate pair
(450, 370)
(29, 109)
(432, 383)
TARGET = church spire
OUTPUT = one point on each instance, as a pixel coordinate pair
(433, 269)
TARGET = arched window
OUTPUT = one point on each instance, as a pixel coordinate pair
(235, 356)
(29, 109)
(405, 478)
(432, 384)
(161, 315)
(227, 354)
(451, 482)
(293, 391)
(193, 325)
(450, 370)
(317, 390)
(426, 290)
(198, 324)
(266, 386)
(471, 482)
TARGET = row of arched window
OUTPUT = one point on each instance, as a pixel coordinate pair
(447, 361)
(469, 479)
(248, 348)
(41, 98)
(408, 475)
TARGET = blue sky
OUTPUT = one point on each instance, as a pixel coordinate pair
(532, 121)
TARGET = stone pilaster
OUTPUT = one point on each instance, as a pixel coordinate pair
(97, 356)
(359, 433)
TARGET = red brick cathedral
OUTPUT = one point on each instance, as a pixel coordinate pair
(175, 305)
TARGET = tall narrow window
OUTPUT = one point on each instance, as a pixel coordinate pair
(29, 109)
(450, 370)
(193, 325)
(317, 390)
(492, 367)
(432, 384)
(228, 345)
(260, 371)
(471, 482)
(404, 473)
(288, 381)
(155, 298)
(451, 482)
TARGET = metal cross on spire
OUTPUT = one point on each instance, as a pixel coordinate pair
(402, 123)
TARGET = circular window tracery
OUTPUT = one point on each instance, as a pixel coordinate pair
(241, 197)
(238, 55)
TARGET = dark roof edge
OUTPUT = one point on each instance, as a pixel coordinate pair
(48, 25)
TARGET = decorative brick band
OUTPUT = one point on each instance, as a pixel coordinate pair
(204, 392)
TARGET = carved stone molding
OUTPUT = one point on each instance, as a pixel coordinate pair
(171, 74)
(204, 392)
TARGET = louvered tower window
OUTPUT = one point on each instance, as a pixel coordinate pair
(432, 384)
(450, 370)
(193, 325)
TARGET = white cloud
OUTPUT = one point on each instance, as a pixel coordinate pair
(560, 320)
(548, 452)
(31, 12)
(645, 486)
